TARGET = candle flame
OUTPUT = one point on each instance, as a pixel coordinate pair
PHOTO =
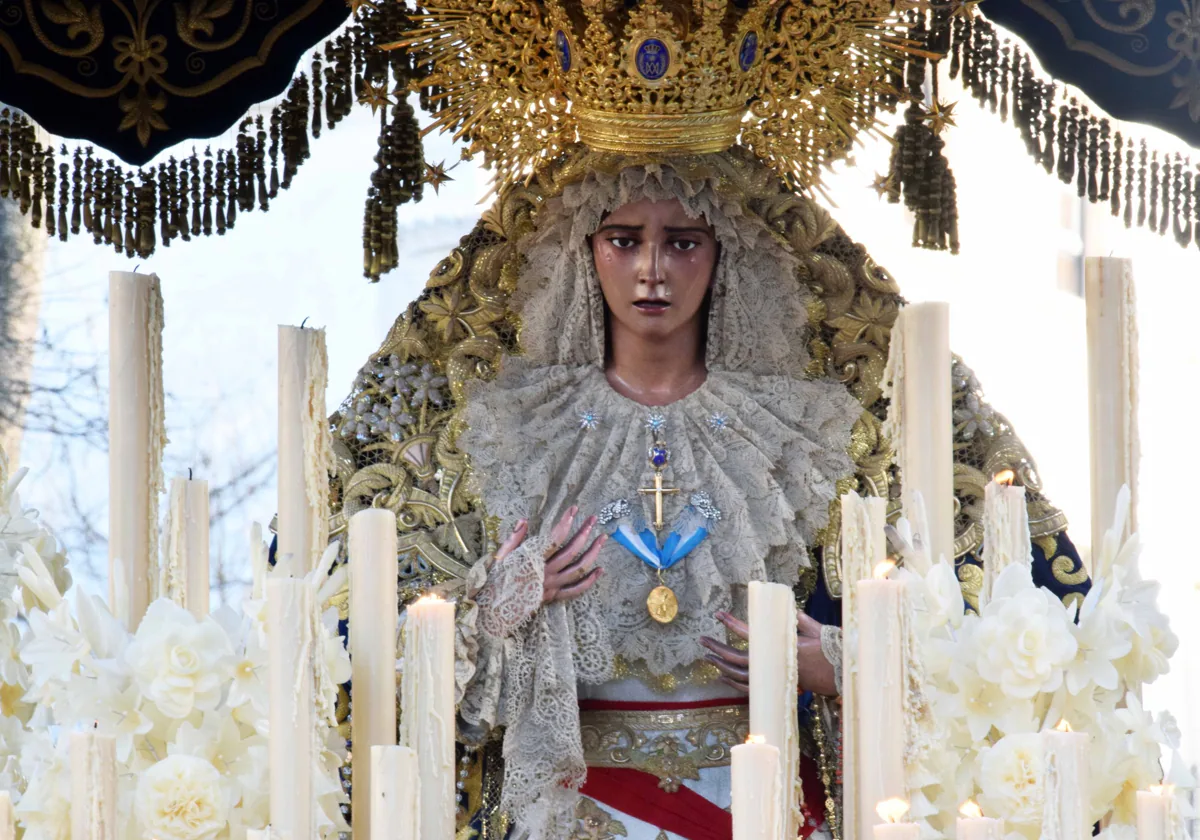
(891, 810)
(884, 569)
(1162, 790)
(431, 598)
(757, 739)
(1063, 726)
(971, 810)
(1005, 477)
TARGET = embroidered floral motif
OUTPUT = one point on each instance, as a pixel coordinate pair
(594, 823)
(589, 420)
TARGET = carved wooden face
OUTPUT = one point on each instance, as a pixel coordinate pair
(655, 265)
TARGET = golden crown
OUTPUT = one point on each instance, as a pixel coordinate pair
(793, 80)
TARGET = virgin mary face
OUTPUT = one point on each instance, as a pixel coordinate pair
(655, 265)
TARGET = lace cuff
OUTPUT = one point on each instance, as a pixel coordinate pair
(499, 599)
(831, 646)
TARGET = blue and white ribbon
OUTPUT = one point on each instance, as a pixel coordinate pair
(688, 530)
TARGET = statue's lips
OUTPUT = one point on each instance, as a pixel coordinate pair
(651, 307)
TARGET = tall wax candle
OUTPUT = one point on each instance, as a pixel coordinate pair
(879, 603)
(1155, 813)
(757, 803)
(304, 448)
(1112, 341)
(889, 825)
(920, 420)
(1005, 531)
(136, 435)
(863, 548)
(93, 760)
(373, 616)
(427, 708)
(1065, 814)
(8, 820)
(183, 576)
(771, 614)
(291, 708)
(395, 787)
(973, 825)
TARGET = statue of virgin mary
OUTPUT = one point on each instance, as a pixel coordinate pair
(638, 385)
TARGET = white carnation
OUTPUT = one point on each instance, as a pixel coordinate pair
(1024, 639)
(179, 663)
(1011, 776)
(181, 798)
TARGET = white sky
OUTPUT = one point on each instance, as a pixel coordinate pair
(1023, 336)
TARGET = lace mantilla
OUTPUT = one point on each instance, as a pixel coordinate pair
(767, 445)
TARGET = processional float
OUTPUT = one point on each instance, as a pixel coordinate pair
(406, 773)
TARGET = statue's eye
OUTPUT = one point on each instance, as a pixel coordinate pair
(686, 244)
(622, 242)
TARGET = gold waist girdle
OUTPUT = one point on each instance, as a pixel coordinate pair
(673, 745)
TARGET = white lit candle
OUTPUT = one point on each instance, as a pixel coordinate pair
(863, 549)
(1112, 389)
(304, 448)
(8, 821)
(394, 793)
(136, 434)
(1005, 530)
(879, 603)
(1155, 813)
(771, 613)
(183, 576)
(427, 706)
(920, 421)
(291, 722)
(756, 801)
(258, 833)
(973, 825)
(373, 616)
(1065, 815)
(93, 786)
(258, 562)
(889, 826)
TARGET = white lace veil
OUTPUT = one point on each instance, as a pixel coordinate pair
(758, 318)
(775, 478)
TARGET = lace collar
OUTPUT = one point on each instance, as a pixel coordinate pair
(768, 450)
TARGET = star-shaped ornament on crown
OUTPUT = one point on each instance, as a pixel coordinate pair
(940, 116)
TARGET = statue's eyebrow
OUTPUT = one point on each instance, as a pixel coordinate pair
(640, 228)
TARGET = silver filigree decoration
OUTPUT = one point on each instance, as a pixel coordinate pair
(703, 504)
(589, 420)
(612, 511)
(656, 421)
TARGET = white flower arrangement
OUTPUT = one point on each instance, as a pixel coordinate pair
(185, 699)
(995, 680)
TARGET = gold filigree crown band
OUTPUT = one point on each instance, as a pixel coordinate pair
(665, 134)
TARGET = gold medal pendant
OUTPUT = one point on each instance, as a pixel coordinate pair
(662, 604)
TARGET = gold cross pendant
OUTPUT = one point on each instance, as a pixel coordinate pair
(659, 491)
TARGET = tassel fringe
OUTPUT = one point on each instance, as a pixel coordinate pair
(136, 210)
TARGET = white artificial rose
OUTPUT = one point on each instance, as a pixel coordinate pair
(179, 663)
(181, 798)
(1024, 638)
(945, 599)
(1011, 777)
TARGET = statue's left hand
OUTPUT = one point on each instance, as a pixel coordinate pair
(813, 671)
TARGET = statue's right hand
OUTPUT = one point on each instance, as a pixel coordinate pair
(570, 567)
